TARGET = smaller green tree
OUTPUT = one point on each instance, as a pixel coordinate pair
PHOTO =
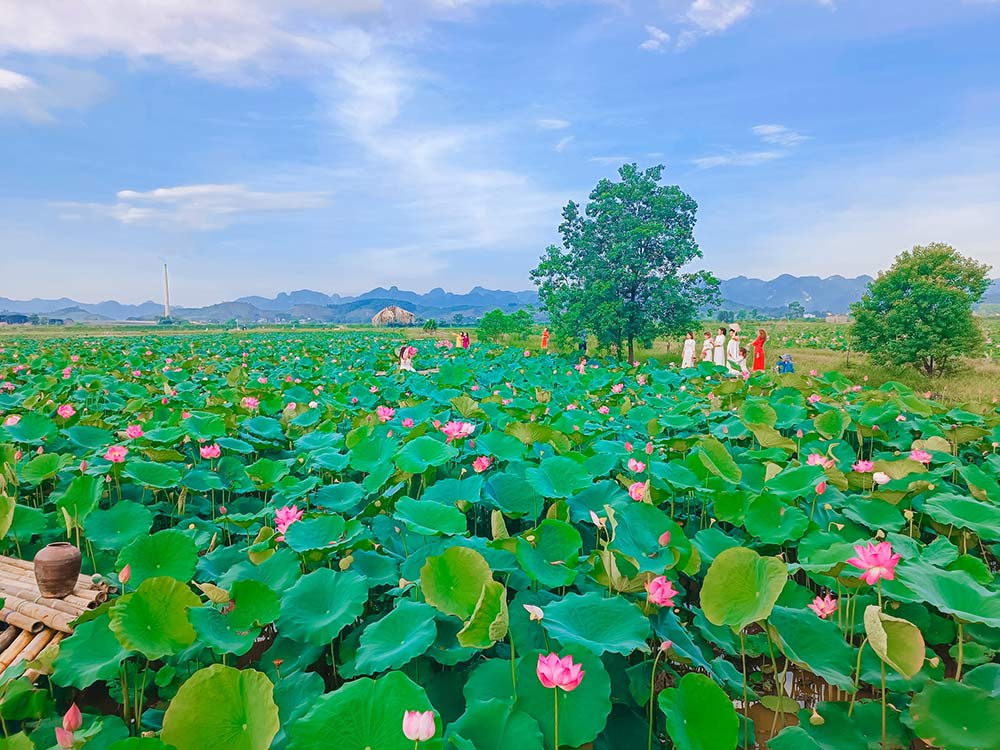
(796, 310)
(919, 312)
(430, 325)
(494, 326)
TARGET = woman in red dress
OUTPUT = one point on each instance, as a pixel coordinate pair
(758, 349)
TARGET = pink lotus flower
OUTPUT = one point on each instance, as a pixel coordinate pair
(72, 720)
(457, 430)
(798, 434)
(661, 591)
(813, 373)
(814, 398)
(285, 517)
(640, 379)
(134, 431)
(617, 387)
(863, 467)
(920, 456)
(815, 459)
(116, 454)
(824, 606)
(66, 411)
(385, 413)
(210, 451)
(374, 389)
(12, 420)
(554, 672)
(628, 446)
(418, 726)
(535, 614)
(481, 464)
(880, 477)
(599, 522)
(664, 539)
(64, 738)
(637, 466)
(876, 560)
(638, 491)
(407, 422)
(249, 403)
(649, 449)
(602, 410)
(125, 574)
(900, 418)
(821, 488)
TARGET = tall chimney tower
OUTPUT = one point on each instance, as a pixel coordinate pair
(166, 293)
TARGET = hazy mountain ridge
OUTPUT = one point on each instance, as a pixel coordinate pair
(833, 294)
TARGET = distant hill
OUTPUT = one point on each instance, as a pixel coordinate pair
(818, 296)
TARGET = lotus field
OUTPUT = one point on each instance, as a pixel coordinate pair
(506, 551)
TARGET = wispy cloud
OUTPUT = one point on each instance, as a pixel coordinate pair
(657, 41)
(553, 124)
(197, 206)
(563, 143)
(713, 16)
(779, 135)
(39, 98)
(610, 159)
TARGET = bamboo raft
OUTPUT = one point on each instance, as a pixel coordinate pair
(31, 621)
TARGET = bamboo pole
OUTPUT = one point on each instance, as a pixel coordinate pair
(85, 597)
(10, 653)
(35, 646)
(34, 674)
(50, 617)
(19, 620)
(16, 565)
(7, 637)
(70, 605)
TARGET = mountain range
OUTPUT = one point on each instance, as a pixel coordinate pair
(818, 296)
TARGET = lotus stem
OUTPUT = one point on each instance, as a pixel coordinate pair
(884, 742)
(555, 697)
(746, 700)
(652, 689)
(961, 650)
(857, 677)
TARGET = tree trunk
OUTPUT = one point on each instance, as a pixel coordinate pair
(631, 350)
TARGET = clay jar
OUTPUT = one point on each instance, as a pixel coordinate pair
(57, 567)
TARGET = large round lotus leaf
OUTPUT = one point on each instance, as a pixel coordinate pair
(558, 477)
(956, 716)
(795, 482)
(897, 642)
(265, 472)
(264, 427)
(255, 604)
(793, 738)
(549, 553)
(202, 480)
(340, 498)
(403, 634)
(741, 587)
(364, 714)
(33, 429)
(81, 497)
(216, 631)
(986, 677)
(92, 653)
(499, 445)
(700, 716)
(139, 743)
(597, 623)
(717, 460)
(758, 411)
(153, 620)
(490, 619)
(315, 533)
(638, 533)
(815, 644)
(495, 725)
(832, 423)
(166, 553)
(429, 518)
(773, 522)
(952, 591)
(452, 582)
(583, 712)
(40, 468)
(368, 455)
(321, 604)
(982, 518)
(421, 453)
(491, 680)
(150, 474)
(205, 426)
(514, 496)
(451, 491)
(222, 707)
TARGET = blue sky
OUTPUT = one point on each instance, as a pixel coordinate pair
(259, 146)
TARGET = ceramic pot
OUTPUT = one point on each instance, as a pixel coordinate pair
(57, 567)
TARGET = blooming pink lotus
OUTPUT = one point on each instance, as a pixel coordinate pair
(661, 591)
(12, 420)
(385, 413)
(249, 403)
(638, 491)
(66, 411)
(481, 464)
(210, 451)
(824, 606)
(637, 466)
(603, 410)
(618, 388)
(134, 431)
(922, 457)
(457, 430)
(876, 560)
(814, 398)
(863, 467)
(815, 459)
(563, 673)
(407, 422)
(418, 726)
(116, 454)
(285, 517)
(880, 477)
(640, 379)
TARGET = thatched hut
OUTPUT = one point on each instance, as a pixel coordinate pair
(394, 316)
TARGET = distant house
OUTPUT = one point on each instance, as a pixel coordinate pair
(838, 318)
(393, 315)
(13, 319)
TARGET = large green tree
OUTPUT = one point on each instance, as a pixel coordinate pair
(919, 312)
(618, 274)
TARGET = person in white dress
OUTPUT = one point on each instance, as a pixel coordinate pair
(733, 350)
(706, 347)
(406, 355)
(719, 351)
(687, 357)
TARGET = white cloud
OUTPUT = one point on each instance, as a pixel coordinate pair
(546, 124)
(713, 16)
(38, 98)
(742, 159)
(619, 160)
(657, 41)
(198, 206)
(779, 135)
(563, 143)
(13, 81)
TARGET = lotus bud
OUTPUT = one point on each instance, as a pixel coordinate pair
(124, 575)
(72, 720)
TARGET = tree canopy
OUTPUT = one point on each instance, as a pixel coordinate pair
(618, 274)
(919, 312)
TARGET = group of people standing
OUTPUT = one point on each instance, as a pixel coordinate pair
(730, 354)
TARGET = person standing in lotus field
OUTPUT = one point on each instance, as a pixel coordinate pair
(545, 339)
(758, 349)
(719, 351)
(687, 358)
(706, 347)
